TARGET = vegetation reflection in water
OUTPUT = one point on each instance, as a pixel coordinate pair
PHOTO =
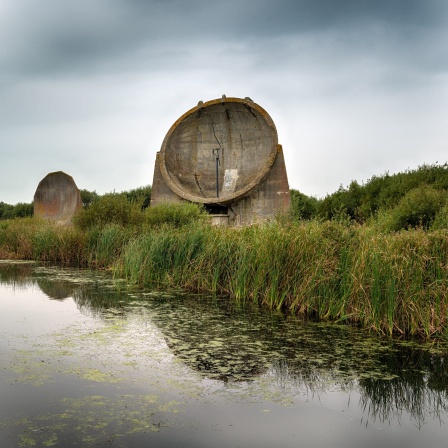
(158, 339)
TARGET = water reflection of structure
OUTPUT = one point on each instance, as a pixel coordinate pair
(56, 290)
(204, 337)
(229, 343)
(214, 340)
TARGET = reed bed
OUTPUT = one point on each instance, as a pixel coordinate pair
(394, 283)
(391, 283)
(105, 244)
(38, 239)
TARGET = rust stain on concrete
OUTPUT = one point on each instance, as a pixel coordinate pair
(57, 198)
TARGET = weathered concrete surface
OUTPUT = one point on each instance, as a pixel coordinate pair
(160, 192)
(269, 198)
(57, 198)
(224, 153)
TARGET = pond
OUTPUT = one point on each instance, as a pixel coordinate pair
(85, 361)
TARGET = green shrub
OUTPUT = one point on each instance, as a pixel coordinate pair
(362, 202)
(87, 197)
(441, 219)
(5, 210)
(418, 208)
(176, 214)
(140, 196)
(20, 210)
(23, 210)
(111, 208)
(303, 206)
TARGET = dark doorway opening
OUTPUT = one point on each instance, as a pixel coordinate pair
(216, 209)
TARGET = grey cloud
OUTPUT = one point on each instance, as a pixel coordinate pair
(110, 76)
(266, 17)
(85, 36)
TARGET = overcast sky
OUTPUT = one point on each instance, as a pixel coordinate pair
(90, 87)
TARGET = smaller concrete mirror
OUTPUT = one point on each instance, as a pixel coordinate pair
(57, 198)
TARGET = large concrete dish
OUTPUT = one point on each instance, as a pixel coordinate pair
(57, 198)
(219, 150)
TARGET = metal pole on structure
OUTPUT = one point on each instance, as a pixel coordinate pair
(217, 174)
(216, 152)
(216, 155)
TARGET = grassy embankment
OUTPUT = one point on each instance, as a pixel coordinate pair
(374, 255)
(390, 282)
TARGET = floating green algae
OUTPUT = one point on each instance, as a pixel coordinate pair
(96, 420)
(137, 360)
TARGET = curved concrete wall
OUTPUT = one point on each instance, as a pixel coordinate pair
(57, 198)
(225, 154)
(219, 150)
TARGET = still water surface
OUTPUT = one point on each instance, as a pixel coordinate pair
(85, 362)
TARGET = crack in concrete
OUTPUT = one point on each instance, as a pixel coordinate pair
(196, 178)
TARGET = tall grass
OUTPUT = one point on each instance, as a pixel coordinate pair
(392, 283)
(38, 239)
(104, 244)
(398, 282)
